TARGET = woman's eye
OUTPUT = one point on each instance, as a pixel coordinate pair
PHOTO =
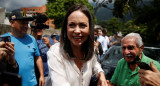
(83, 25)
(72, 25)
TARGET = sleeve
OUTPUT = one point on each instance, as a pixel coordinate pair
(115, 74)
(56, 68)
(96, 65)
(157, 64)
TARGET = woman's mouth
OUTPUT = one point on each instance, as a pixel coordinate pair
(77, 38)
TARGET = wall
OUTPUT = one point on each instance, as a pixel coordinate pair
(2, 15)
(4, 28)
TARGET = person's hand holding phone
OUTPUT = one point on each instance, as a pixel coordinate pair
(7, 50)
(2, 51)
(148, 77)
(11, 53)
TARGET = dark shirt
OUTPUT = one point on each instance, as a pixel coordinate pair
(9, 74)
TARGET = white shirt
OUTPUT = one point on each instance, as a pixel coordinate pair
(103, 42)
(64, 72)
(106, 38)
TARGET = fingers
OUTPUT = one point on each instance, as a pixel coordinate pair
(141, 71)
(2, 44)
(10, 47)
(3, 54)
(153, 67)
(103, 84)
(45, 40)
(141, 80)
(41, 81)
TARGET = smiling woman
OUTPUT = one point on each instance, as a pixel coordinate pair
(73, 60)
(77, 28)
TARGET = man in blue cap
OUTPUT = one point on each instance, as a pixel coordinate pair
(26, 49)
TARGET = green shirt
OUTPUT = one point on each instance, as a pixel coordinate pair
(123, 76)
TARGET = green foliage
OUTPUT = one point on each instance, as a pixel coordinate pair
(103, 23)
(114, 25)
(58, 8)
(145, 14)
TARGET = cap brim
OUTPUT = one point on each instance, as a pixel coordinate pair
(27, 19)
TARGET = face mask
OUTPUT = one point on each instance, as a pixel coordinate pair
(135, 60)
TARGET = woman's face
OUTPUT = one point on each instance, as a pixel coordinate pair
(77, 28)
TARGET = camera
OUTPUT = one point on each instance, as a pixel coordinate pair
(39, 21)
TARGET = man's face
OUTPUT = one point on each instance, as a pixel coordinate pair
(20, 26)
(129, 49)
(39, 32)
(99, 32)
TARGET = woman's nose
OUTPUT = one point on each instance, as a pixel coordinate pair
(77, 29)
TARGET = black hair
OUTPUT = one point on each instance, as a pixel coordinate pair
(88, 45)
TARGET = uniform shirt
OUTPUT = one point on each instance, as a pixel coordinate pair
(25, 50)
(123, 76)
(43, 52)
(64, 72)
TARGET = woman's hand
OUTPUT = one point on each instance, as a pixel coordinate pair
(102, 80)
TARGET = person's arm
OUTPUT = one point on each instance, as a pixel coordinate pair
(114, 42)
(7, 53)
(147, 77)
(39, 64)
(98, 70)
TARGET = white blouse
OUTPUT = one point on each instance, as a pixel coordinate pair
(64, 72)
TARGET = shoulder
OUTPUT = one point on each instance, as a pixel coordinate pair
(30, 36)
(56, 46)
(148, 60)
(55, 49)
(121, 62)
(6, 34)
(55, 53)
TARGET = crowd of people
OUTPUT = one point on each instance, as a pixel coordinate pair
(75, 57)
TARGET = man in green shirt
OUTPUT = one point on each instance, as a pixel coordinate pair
(126, 72)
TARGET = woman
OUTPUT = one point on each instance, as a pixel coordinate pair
(72, 62)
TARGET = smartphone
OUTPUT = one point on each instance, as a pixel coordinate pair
(5, 39)
(143, 65)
